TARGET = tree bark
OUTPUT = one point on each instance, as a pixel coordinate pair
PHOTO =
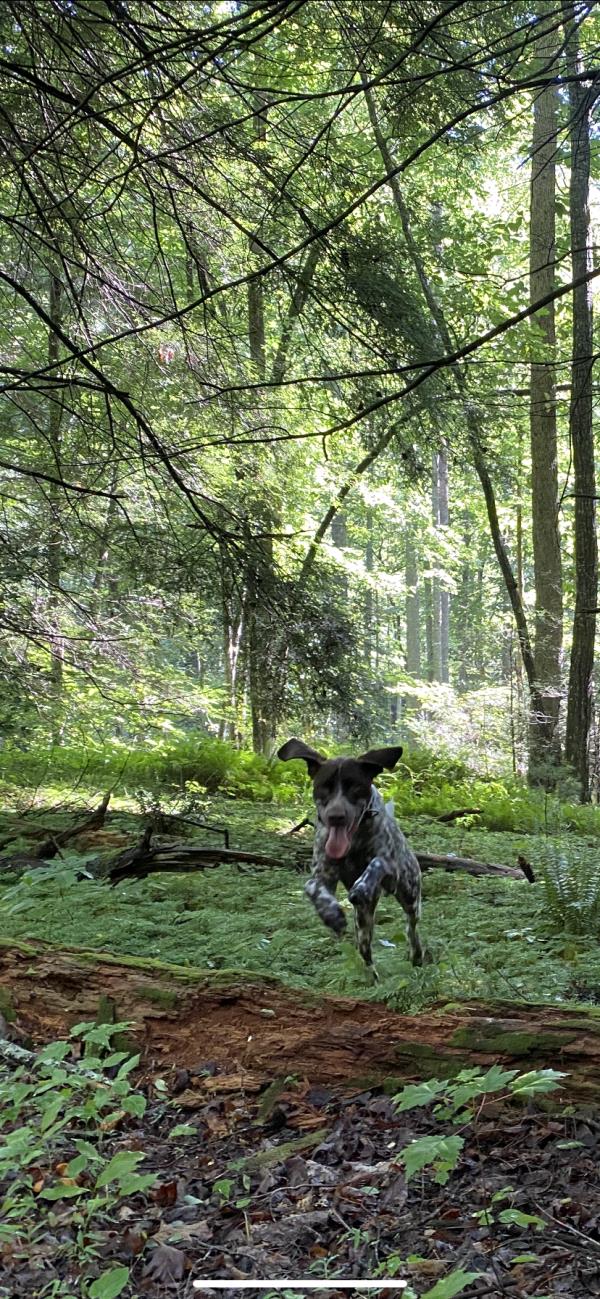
(413, 619)
(579, 711)
(251, 1024)
(436, 603)
(444, 522)
(544, 745)
(55, 524)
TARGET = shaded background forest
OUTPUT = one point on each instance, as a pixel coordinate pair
(297, 379)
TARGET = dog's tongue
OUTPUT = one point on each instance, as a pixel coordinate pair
(338, 842)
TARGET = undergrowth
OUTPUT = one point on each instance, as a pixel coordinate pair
(423, 784)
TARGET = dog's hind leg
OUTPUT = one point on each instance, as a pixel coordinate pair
(364, 896)
(364, 916)
(411, 905)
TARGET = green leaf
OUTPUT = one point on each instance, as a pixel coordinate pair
(86, 1148)
(109, 1284)
(451, 1285)
(538, 1080)
(134, 1182)
(418, 1094)
(182, 1130)
(61, 1192)
(130, 1063)
(51, 1113)
(119, 1166)
(77, 1165)
(519, 1219)
(135, 1104)
(442, 1152)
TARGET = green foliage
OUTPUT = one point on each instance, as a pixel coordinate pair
(200, 764)
(446, 1288)
(571, 882)
(438, 1152)
(454, 1101)
(428, 784)
(49, 1107)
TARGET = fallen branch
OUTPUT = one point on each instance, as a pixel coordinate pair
(143, 860)
(428, 860)
(55, 840)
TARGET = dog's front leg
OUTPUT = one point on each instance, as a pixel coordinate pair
(321, 889)
(366, 890)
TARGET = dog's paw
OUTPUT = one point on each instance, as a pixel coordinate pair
(334, 918)
(422, 957)
(372, 975)
(360, 895)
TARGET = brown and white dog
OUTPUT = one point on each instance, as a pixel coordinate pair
(358, 841)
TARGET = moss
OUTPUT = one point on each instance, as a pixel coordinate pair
(431, 1061)
(6, 1006)
(492, 1038)
(164, 997)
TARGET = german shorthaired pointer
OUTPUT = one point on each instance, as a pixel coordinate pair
(358, 842)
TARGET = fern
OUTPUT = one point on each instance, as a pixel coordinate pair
(571, 881)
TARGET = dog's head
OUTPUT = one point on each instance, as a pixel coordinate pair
(341, 788)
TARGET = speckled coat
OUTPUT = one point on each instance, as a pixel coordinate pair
(379, 860)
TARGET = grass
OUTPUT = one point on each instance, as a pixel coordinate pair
(489, 938)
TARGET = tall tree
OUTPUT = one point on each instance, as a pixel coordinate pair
(579, 712)
(543, 730)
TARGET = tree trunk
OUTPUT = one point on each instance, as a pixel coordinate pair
(443, 522)
(253, 1025)
(370, 612)
(413, 620)
(55, 525)
(579, 712)
(436, 603)
(544, 746)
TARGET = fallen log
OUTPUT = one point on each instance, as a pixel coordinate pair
(143, 860)
(243, 1022)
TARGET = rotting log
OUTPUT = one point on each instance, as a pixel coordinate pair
(182, 1017)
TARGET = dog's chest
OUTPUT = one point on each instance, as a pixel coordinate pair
(378, 836)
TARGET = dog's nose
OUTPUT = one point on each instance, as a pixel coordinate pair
(336, 818)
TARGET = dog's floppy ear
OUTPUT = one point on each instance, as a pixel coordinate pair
(377, 759)
(298, 749)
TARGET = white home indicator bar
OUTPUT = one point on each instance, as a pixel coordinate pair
(299, 1285)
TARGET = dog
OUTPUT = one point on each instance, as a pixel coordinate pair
(358, 842)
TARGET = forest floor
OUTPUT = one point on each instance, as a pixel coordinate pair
(298, 1182)
(488, 937)
(291, 1179)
